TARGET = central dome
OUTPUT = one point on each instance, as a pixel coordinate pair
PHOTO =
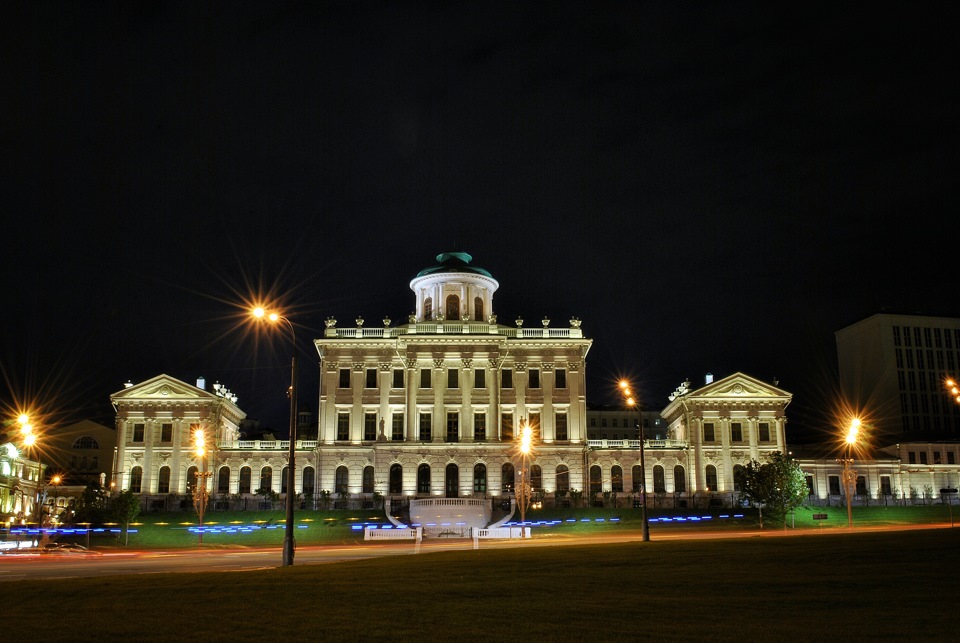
(453, 290)
(453, 262)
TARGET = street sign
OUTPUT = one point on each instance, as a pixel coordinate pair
(820, 516)
(948, 490)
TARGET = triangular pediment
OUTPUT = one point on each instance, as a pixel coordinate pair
(161, 387)
(739, 386)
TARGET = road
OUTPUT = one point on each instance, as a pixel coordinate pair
(47, 567)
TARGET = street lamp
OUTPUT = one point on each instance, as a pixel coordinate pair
(288, 539)
(200, 493)
(849, 474)
(523, 492)
(628, 397)
(29, 439)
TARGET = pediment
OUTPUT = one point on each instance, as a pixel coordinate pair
(161, 387)
(739, 386)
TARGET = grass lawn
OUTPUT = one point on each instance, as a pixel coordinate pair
(171, 530)
(831, 586)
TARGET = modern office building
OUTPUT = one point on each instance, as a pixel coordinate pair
(893, 368)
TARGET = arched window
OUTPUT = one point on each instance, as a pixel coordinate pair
(637, 478)
(163, 480)
(596, 480)
(423, 478)
(428, 309)
(309, 481)
(616, 478)
(396, 478)
(341, 480)
(480, 478)
(711, 476)
(283, 479)
(453, 307)
(367, 481)
(737, 472)
(452, 481)
(191, 480)
(659, 479)
(507, 476)
(266, 478)
(478, 308)
(85, 442)
(223, 480)
(244, 486)
(136, 479)
(679, 480)
(536, 477)
(563, 478)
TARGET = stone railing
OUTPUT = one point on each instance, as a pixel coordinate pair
(635, 444)
(266, 445)
(452, 328)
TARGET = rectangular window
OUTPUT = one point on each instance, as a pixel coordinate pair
(397, 378)
(166, 432)
(425, 380)
(534, 422)
(764, 432)
(560, 381)
(923, 457)
(506, 378)
(479, 378)
(708, 433)
(479, 427)
(453, 378)
(370, 426)
(834, 485)
(912, 457)
(138, 433)
(534, 378)
(343, 427)
(736, 432)
(506, 426)
(885, 487)
(561, 423)
(397, 432)
(344, 381)
(453, 427)
(809, 485)
(371, 379)
(425, 432)
(936, 457)
(951, 459)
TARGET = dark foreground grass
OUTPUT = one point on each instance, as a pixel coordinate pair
(844, 587)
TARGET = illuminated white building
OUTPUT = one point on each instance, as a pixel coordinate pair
(19, 481)
(426, 412)
(429, 408)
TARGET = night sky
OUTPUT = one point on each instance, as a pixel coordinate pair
(711, 188)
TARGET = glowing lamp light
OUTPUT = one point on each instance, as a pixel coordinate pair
(526, 438)
(853, 431)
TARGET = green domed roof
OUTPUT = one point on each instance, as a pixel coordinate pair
(453, 262)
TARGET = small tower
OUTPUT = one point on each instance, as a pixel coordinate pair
(453, 290)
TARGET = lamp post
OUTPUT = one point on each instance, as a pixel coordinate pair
(200, 493)
(29, 439)
(849, 473)
(628, 397)
(288, 539)
(523, 492)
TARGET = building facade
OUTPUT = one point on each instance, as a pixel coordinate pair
(432, 407)
(430, 410)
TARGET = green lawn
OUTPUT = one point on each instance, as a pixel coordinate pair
(170, 530)
(835, 586)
